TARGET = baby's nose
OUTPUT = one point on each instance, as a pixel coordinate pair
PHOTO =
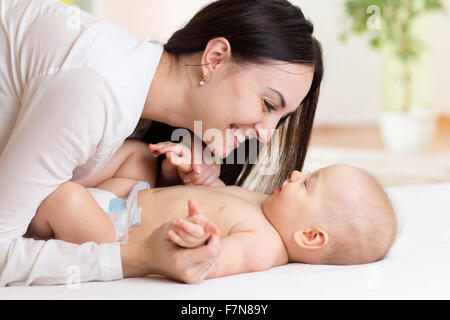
(295, 175)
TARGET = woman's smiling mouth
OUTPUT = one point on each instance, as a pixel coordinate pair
(238, 135)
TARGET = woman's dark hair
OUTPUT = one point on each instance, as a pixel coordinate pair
(259, 31)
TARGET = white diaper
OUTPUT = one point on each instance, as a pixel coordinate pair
(124, 213)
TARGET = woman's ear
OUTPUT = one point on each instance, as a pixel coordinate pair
(311, 238)
(217, 51)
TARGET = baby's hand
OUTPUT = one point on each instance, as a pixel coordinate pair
(179, 156)
(194, 231)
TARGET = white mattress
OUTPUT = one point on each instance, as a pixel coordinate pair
(417, 267)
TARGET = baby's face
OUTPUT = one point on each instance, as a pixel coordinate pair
(302, 202)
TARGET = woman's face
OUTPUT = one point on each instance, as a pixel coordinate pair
(243, 102)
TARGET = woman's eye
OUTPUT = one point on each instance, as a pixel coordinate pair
(270, 107)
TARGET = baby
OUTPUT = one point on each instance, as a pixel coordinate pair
(336, 215)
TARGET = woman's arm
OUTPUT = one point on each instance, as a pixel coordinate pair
(59, 126)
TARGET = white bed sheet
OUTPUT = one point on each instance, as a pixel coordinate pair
(417, 267)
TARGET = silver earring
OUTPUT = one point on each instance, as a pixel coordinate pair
(203, 82)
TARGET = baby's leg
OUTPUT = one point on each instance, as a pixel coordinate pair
(71, 214)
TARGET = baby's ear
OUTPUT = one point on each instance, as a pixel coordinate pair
(311, 238)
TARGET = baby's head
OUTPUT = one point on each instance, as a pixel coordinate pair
(336, 215)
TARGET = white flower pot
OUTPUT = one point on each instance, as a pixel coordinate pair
(411, 131)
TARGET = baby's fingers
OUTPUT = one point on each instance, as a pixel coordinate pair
(193, 209)
(181, 162)
(159, 145)
(211, 228)
(191, 228)
(177, 239)
(184, 239)
(156, 148)
(164, 148)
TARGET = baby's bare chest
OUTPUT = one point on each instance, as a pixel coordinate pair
(227, 209)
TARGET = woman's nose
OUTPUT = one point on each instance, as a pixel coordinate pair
(267, 129)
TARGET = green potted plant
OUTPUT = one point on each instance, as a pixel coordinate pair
(392, 28)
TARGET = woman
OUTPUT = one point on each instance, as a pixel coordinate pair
(73, 88)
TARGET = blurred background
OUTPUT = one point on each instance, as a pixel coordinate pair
(378, 110)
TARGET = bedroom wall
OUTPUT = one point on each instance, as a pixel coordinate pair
(351, 93)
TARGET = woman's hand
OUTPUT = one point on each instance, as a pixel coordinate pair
(179, 157)
(192, 231)
(159, 255)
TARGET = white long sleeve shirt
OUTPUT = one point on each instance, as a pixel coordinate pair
(72, 89)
